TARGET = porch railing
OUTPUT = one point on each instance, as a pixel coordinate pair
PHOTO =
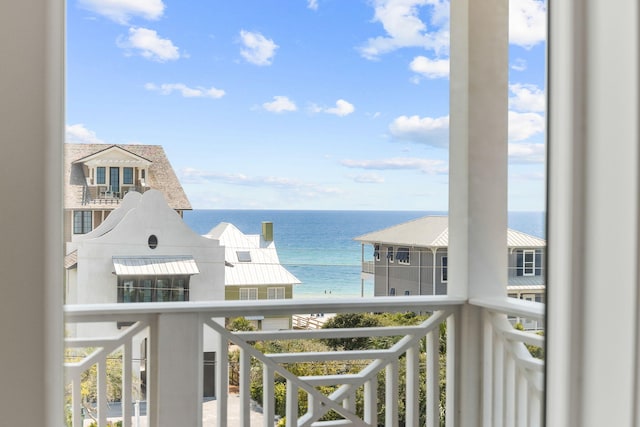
(365, 390)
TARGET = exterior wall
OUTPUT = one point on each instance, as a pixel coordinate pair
(232, 292)
(415, 277)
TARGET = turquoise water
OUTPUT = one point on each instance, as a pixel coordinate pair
(318, 246)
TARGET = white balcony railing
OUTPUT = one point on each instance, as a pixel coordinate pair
(365, 391)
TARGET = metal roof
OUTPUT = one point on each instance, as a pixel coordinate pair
(433, 232)
(155, 265)
(264, 267)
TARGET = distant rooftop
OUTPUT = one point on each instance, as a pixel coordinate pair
(433, 232)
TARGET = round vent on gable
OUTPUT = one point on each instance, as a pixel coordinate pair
(153, 241)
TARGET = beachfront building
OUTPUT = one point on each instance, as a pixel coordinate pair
(253, 271)
(593, 171)
(412, 259)
(143, 252)
(98, 176)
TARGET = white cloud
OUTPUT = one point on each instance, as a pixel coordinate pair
(342, 108)
(258, 49)
(427, 130)
(404, 28)
(526, 98)
(519, 64)
(527, 22)
(280, 104)
(79, 134)
(121, 11)
(312, 4)
(186, 91)
(526, 153)
(524, 125)
(301, 188)
(369, 178)
(149, 45)
(429, 166)
(430, 68)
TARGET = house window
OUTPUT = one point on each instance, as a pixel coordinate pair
(243, 256)
(392, 292)
(403, 256)
(127, 176)
(82, 222)
(407, 292)
(275, 293)
(390, 254)
(444, 273)
(248, 294)
(529, 262)
(156, 289)
(101, 175)
(376, 252)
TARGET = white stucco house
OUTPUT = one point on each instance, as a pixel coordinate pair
(143, 252)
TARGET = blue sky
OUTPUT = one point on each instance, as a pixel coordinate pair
(294, 104)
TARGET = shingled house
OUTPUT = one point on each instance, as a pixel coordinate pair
(98, 176)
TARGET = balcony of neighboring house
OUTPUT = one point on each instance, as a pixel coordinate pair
(411, 376)
(93, 195)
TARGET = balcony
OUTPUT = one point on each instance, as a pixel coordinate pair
(420, 358)
(106, 195)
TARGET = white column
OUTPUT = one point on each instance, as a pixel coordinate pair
(592, 358)
(477, 189)
(178, 370)
(31, 131)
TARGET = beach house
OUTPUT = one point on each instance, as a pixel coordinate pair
(412, 259)
(253, 271)
(590, 376)
(98, 176)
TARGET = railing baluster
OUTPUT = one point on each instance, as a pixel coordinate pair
(391, 395)
(292, 404)
(76, 401)
(102, 391)
(222, 380)
(268, 403)
(412, 395)
(126, 400)
(510, 388)
(498, 381)
(488, 379)
(371, 402)
(522, 396)
(245, 398)
(433, 378)
(535, 411)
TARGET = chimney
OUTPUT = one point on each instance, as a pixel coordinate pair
(267, 231)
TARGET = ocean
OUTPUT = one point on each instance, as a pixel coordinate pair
(318, 246)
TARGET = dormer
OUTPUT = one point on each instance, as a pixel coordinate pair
(115, 167)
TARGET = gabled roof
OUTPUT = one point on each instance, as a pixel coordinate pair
(249, 259)
(161, 175)
(111, 149)
(433, 232)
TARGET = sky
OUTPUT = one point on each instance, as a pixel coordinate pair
(295, 104)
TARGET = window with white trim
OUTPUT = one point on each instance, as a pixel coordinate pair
(275, 293)
(376, 252)
(82, 222)
(248, 294)
(403, 257)
(390, 254)
(528, 262)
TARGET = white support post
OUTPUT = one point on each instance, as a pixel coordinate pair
(178, 369)
(291, 410)
(102, 391)
(126, 384)
(477, 188)
(593, 368)
(487, 362)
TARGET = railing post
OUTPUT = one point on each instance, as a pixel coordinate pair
(292, 404)
(268, 404)
(178, 362)
(370, 403)
(478, 162)
(391, 394)
(222, 379)
(412, 379)
(245, 397)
